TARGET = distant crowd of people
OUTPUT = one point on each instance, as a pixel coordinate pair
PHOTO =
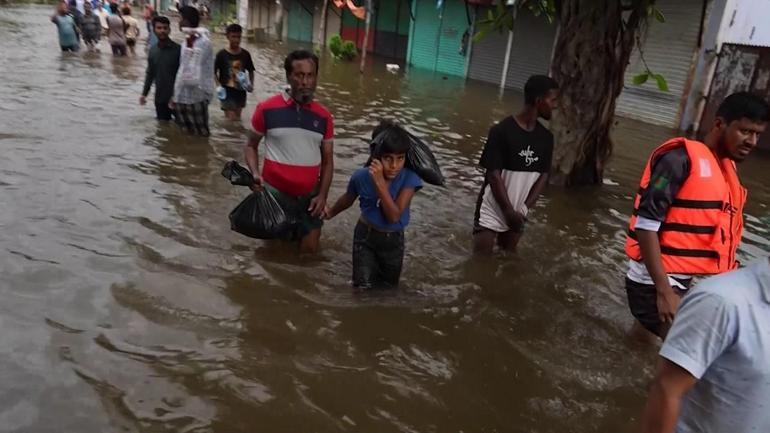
(186, 75)
(91, 20)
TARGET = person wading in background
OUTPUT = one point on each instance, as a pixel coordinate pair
(517, 158)
(132, 30)
(194, 84)
(162, 67)
(229, 63)
(91, 27)
(102, 14)
(68, 30)
(116, 33)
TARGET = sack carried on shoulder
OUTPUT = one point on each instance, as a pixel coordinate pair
(421, 160)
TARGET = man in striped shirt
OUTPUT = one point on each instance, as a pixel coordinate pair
(299, 159)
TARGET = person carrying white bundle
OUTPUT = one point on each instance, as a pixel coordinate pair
(194, 85)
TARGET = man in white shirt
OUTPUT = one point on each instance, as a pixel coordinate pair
(714, 371)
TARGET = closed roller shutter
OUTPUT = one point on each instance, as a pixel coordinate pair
(454, 24)
(533, 39)
(668, 49)
(487, 55)
(424, 40)
(300, 20)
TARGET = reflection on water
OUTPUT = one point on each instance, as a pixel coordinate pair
(129, 305)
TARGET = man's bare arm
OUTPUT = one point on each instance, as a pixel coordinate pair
(668, 388)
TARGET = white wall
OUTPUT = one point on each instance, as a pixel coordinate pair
(747, 22)
(243, 13)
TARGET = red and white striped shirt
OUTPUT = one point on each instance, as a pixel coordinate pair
(293, 136)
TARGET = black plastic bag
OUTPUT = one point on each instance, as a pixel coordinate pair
(260, 216)
(420, 160)
(237, 174)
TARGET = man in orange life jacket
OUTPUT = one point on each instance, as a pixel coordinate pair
(688, 213)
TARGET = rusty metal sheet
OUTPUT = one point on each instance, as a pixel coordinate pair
(734, 73)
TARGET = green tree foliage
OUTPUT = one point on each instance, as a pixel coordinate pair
(341, 49)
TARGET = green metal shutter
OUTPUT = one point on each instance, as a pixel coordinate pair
(453, 25)
(348, 20)
(404, 18)
(386, 15)
(425, 37)
(388, 39)
(301, 21)
(435, 41)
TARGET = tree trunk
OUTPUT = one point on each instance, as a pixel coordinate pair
(595, 41)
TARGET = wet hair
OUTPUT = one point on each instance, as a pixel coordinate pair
(288, 64)
(389, 137)
(160, 19)
(126, 10)
(191, 15)
(744, 105)
(234, 28)
(538, 86)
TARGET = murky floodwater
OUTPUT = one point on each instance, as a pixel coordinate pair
(127, 304)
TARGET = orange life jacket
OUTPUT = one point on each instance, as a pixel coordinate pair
(704, 224)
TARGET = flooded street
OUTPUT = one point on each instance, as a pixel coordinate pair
(129, 305)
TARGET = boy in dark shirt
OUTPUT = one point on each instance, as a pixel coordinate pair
(162, 66)
(228, 64)
(385, 189)
(517, 158)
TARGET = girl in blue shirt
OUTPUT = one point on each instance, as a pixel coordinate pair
(384, 189)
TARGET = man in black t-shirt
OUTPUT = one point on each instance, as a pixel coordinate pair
(517, 158)
(229, 63)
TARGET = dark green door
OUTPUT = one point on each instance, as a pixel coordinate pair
(301, 20)
(437, 36)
